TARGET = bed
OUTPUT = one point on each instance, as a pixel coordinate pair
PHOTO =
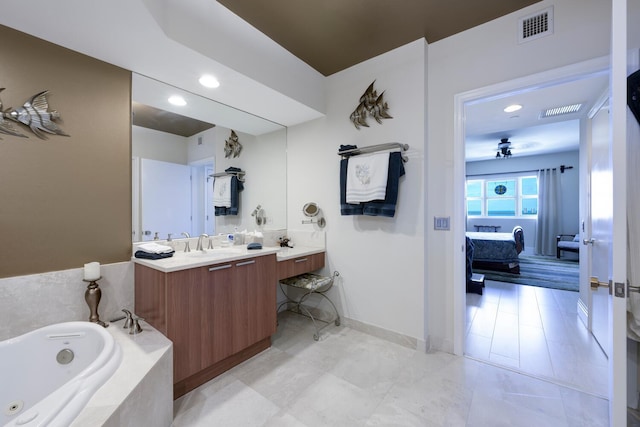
(497, 251)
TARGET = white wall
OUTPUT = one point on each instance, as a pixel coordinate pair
(486, 55)
(264, 159)
(380, 260)
(569, 190)
(156, 145)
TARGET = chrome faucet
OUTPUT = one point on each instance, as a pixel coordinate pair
(186, 243)
(129, 319)
(200, 247)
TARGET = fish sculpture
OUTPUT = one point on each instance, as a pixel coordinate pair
(232, 146)
(6, 126)
(370, 95)
(359, 116)
(370, 105)
(378, 109)
(35, 113)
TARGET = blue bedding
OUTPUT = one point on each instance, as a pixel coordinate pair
(499, 249)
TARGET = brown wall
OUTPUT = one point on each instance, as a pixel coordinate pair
(64, 201)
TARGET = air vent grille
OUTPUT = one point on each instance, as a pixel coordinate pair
(558, 111)
(535, 26)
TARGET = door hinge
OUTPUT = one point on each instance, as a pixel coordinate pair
(619, 290)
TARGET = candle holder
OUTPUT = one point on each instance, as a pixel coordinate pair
(92, 296)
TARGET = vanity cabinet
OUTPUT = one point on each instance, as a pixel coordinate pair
(300, 265)
(217, 315)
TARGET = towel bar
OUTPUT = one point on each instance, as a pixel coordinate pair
(374, 148)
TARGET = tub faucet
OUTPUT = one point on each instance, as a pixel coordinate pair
(200, 247)
(135, 327)
(129, 320)
(186, 243)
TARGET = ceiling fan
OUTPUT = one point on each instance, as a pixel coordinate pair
(504, 149)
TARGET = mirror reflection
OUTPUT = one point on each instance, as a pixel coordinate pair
(179, 151)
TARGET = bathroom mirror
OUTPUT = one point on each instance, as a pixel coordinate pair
(172, 168)
(310, 209)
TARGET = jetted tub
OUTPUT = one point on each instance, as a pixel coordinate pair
(48, 375)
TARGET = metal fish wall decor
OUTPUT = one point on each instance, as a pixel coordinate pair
(371, 104)
(232, 146)
(34, 114)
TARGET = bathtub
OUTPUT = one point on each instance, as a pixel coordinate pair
(48, 375)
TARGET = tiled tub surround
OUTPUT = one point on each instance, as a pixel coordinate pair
(140, 392)
(33, 301)
(37, 300)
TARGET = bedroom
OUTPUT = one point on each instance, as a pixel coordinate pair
(527, 328)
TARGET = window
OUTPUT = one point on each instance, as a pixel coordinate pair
(503, 196)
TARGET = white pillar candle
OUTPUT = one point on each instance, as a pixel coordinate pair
(92, 271)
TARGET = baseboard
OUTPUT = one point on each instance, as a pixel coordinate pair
(583, 313)
(385, 334)
(376, 331)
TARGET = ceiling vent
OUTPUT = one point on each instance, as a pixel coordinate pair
(558, 111)
(532, 27)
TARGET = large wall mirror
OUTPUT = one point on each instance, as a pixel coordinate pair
(178, 152)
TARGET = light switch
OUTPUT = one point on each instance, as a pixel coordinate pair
(441, 223)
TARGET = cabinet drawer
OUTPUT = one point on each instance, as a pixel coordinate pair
(300, 265)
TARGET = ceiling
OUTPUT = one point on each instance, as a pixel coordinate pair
(486, 123)
(331, 35)
(361, 28)
(327, 36)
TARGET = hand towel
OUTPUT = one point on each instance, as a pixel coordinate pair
(147, 255)
(367, 177)
(346, 208)
(234, 207)
(155, 248)
(387, 207)
(222, 191)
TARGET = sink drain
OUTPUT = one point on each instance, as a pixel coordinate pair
(14, 407)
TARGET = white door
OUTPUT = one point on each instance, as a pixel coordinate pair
(165, 195)
(601, 224)
(617, 238)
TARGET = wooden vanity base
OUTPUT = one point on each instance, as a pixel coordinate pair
(186, 385)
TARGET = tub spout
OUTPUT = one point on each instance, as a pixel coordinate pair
(128, 320)
(135, 327)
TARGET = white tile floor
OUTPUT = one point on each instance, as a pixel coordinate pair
(349, 378)
(536, 331)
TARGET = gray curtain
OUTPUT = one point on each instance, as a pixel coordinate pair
(549, 214)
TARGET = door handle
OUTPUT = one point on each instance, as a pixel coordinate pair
(596, 283)
(588, 241)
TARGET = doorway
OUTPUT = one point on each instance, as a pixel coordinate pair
(530, 329)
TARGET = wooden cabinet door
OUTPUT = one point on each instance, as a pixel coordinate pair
(184, 308)
(263, 306)
(254, 300)
(216, 321)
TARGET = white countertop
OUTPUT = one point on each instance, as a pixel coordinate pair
(298, 251)
(185, 260)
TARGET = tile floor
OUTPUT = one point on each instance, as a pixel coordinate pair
(350, 378)
(536, 331)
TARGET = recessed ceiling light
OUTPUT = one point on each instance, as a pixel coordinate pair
(513, 107)
(209, 81)
(177, 100)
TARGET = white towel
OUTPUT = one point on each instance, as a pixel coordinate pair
(222, 191)
(367, 177)
(155, 248)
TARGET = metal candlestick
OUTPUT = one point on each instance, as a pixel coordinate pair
(92, 296)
